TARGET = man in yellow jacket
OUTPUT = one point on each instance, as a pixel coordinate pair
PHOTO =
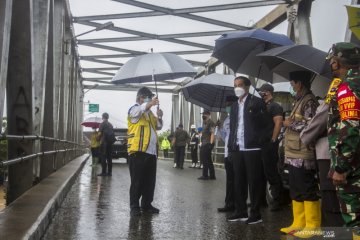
(165, 146)
(142, 149)
(95, 147)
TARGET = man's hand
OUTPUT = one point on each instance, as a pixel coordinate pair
(154, 101)
(339, 178)
(287, 122)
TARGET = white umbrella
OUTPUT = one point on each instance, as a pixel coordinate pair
(153, 67)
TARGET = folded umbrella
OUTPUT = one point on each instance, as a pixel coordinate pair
(238, 50)
(92, 122)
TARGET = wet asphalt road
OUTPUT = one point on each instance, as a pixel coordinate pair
(98, 208)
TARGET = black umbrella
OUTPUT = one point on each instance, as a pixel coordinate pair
(210, 91)
(286, 59)
(238, 50)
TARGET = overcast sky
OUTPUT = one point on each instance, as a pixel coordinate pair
(328, 23)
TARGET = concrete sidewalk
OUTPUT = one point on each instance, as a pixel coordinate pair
(29, 216)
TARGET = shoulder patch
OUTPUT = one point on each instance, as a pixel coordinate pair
(349, 104)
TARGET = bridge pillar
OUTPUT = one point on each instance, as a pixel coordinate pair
(299, 29)
(5, 26)
(19, 98)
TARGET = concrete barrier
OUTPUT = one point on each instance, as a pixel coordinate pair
(29, 216)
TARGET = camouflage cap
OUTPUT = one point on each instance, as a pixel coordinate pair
(349, 51)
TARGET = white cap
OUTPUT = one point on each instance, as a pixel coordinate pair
(193, 126)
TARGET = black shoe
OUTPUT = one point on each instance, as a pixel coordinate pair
(102, 174)
(203, 178)
(254, 220)
(151, 209)
(237, 218)
(212, 178)
(134, 212)
(226, 209)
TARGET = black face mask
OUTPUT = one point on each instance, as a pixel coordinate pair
(204, 117)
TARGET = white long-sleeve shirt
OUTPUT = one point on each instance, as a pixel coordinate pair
(135, 113)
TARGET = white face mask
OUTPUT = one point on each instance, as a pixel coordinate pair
(239, 92)
(146, 100)
(292, 92)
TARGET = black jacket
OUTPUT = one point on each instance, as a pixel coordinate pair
(254, 122)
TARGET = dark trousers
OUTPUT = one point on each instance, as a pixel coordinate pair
(230, 195)
(205, 158)
(106, 159)
(166, 153)
(194, 153)
(330, 207)
(270, 159)
(248, 177)
(142, 167)
(180, 155)
(303, 184)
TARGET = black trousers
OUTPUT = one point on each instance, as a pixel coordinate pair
(142, 167)
(180, 155)
(205, 158)
(166, 153)
(270, 159)
(106, 159)
(303, 184)
(194, 153)
(330, 207)
(248, 177)
(230, 188)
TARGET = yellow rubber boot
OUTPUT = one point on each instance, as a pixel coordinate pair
(299, 218)
(356, 236)
(313, 220)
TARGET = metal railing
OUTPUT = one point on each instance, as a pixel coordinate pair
(78, 147)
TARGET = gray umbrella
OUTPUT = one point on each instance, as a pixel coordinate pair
(153, 67)
(210, 91)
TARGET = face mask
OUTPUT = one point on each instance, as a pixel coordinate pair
(228, 109)
(239, 91)
(204, 118)
(146, 100)
(292, 92)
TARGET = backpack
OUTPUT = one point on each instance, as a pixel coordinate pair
(109, 135)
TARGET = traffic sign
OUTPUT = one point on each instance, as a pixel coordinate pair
(93, 107)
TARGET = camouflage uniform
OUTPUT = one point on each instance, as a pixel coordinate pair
(344, 142)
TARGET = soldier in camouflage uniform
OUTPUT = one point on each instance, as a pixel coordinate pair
(344, 131)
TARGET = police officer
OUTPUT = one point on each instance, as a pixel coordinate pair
(344, 131)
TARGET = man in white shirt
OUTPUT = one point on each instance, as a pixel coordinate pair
(142, 149)
(246, 121)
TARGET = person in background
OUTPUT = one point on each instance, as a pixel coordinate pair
(181, 138)
(95, 147)
(270, 144)
(199, 130)
(344, 131)
(105, 129)
(301, 160)
(165, 146)
(315, 134)
(246, 119)
(194, 142)
(229, 169)
(173, 147)
(142, 149)
(207, 145)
